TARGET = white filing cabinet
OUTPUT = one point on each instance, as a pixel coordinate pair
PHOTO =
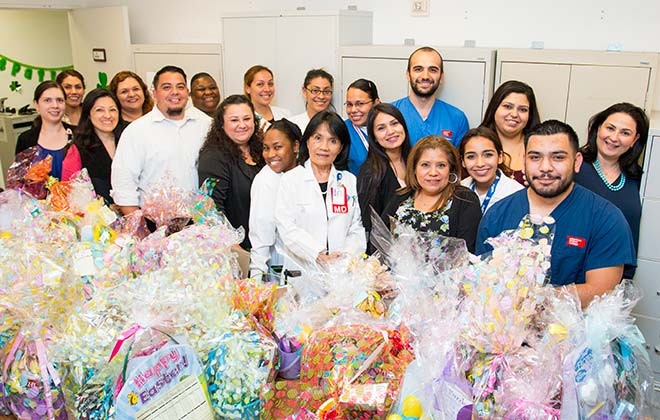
(468, 80)
(290, 43)
(647, 276)
(572, 85)
(11, 125)
(192, 58)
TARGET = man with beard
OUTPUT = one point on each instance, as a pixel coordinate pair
(161, 146)
(424, 114)
(592, 240)
(205, 93)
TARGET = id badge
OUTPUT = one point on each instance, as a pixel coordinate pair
(339, 199)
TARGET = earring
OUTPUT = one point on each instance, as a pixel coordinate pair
(453, 178)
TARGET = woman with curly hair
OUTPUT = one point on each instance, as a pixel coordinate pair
(232, 157)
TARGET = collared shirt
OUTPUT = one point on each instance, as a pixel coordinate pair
(444, 120)
(590, 233)
(153, 149)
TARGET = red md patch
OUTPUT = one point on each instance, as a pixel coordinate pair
(577, 242)
(447, 133)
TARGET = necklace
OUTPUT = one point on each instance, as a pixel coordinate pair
(618, 186)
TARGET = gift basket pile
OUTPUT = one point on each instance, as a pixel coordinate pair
(145, 316)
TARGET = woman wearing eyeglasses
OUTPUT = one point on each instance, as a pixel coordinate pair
(317, 91)
(361, 96)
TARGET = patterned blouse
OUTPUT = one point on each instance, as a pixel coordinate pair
(436, 221)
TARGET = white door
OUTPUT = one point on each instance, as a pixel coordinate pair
(106, 30)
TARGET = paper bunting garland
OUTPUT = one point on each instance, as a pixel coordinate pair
(29, 70)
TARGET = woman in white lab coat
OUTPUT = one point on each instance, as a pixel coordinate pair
(280, 151)
(317, 211)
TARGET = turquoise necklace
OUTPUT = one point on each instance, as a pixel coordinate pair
(618, 186)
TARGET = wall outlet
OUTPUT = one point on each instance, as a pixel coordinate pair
(420, 7)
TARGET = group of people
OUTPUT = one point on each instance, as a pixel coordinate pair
(307, 188)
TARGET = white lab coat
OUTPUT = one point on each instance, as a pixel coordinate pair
(263, 234)
(309, 226)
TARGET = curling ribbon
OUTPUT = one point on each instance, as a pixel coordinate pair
(123, 336)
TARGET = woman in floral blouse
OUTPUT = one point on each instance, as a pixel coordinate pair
(433, 199)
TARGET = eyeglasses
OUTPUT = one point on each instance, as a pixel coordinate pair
(356, 104)
(317, 91)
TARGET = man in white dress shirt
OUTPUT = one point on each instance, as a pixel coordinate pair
(163, 144)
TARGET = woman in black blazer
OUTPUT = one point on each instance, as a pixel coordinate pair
(231, 156)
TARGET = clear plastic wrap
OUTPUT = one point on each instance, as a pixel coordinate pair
(238, 369)
(29, 172)
(609, 373)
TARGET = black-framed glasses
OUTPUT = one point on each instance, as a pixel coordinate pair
(358, 104)
(317, 91)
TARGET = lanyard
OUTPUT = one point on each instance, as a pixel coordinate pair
(362, 136)
(489, 194)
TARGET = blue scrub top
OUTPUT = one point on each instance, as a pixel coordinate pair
(590, 233)
(444, 120)
(357, 153)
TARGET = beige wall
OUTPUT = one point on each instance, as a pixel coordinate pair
(36, 37)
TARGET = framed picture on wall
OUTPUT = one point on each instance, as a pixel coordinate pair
(98, 54)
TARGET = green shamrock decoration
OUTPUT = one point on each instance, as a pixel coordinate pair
(14, 86)
(103, 80)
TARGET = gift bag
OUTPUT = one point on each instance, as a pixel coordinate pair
(31, 382)
(339, 360)
(162, 378)
(238, 371)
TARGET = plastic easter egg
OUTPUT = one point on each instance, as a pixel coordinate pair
(411, 407)
(394, 417)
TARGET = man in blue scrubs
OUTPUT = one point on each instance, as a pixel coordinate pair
(592, 239)
(424, 114)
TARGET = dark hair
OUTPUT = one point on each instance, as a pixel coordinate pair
(84, 137)
(427, 49)
(39, 90)
(218, 137)
(427, 143)
(70, 72)
(290, 130)
(629, 161)
(337, 127)
(199, 76)
(366, 86)
(552, 127)
(491, 135)
(248, 77)
(314, 73)
(148, 104)
(505, 89)
(44, 86)
(169, 69)
(373, 169)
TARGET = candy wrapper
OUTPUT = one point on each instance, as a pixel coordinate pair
(29, 172)
(336, 358)
(162, 374)
(238, 370)
(608, 375)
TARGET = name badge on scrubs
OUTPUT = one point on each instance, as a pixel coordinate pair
(339, 199)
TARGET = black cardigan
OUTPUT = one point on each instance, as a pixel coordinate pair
(464, 214)
(30, 138)
(232, 191)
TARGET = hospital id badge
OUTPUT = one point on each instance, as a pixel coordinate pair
(339, 200)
